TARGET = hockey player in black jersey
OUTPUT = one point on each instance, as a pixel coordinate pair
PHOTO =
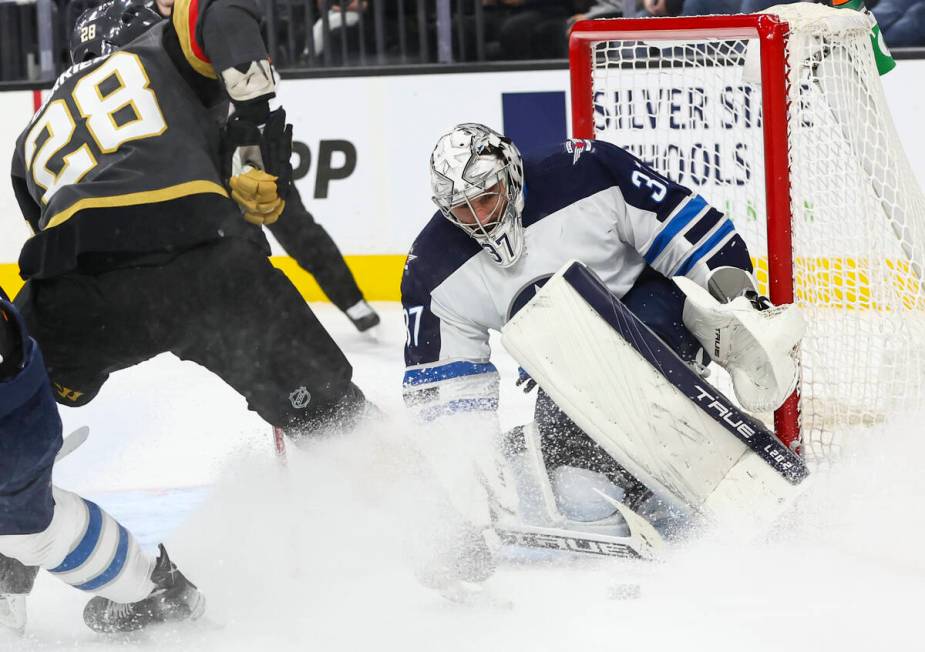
(313, 248)
(505, 226)
(137, 247)
(44, 525)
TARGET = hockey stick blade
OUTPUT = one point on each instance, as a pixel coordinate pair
(641, 530)
(597, 545)
(72, 442)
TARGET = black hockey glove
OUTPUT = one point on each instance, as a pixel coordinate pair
(758, 301)
(12, 341)
(255, 160)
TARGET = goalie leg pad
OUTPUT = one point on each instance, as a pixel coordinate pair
(637, 399)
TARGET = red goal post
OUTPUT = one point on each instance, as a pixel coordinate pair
(780, 121)
(771, 33)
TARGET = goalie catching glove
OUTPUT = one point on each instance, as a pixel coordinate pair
(744, 333)
(256, 163)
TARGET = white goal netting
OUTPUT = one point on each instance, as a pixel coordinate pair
(692, 108)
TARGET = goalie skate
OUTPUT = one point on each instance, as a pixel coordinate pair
(540, 523)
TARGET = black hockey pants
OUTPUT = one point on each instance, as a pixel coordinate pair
(222, 305)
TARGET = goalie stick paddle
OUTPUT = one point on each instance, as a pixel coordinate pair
(710, 400)
(597, 545)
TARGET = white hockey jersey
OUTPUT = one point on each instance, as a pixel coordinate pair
(585, 200)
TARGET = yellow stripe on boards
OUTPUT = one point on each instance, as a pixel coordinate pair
(9, 278)
(840, 283)
(379, 276)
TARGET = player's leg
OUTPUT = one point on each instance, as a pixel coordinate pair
(313, 249)
(86, 328)
(16, 581)
(87, 548)
(45, 526)
(659, 303)
(564, 444)
(250, 325)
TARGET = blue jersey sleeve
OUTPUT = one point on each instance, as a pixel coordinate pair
(674, 229)
(446, 356)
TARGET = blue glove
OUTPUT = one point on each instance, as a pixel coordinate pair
(524, 381)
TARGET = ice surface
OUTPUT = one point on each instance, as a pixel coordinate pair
(314, 556)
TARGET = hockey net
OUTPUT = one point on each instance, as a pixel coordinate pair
(780, 121)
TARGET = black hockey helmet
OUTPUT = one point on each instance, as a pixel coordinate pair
(108, 27)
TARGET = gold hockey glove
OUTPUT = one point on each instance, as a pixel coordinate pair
(257, 194)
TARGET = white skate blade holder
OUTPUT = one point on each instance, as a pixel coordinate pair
(661, 421)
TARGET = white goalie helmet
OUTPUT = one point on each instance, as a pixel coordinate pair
(476, 177)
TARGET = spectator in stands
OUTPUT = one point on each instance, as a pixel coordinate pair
(706, 7)
(535, 29)
(343, 23)
(600, 9)
(902, 22)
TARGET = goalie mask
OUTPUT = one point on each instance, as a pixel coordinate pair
(110, 26)
(476, 176)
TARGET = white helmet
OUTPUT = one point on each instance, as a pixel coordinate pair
(468, 163)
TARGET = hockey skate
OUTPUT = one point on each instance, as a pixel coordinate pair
(16, 581)
(174, 598)
(13, 611)
(362, 315)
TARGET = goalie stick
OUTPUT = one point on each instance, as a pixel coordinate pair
(710, 400)
(643, 542)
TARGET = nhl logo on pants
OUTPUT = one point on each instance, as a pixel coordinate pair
(300, 398)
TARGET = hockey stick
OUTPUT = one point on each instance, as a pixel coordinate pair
(597, 545)
(279, 444)
(72, 442)
(676, 372)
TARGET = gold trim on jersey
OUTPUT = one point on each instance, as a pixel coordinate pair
(182, 21)
(135, 198)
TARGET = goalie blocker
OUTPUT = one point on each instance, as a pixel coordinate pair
(647, 408)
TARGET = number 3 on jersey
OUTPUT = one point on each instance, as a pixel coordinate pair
(131, 95)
